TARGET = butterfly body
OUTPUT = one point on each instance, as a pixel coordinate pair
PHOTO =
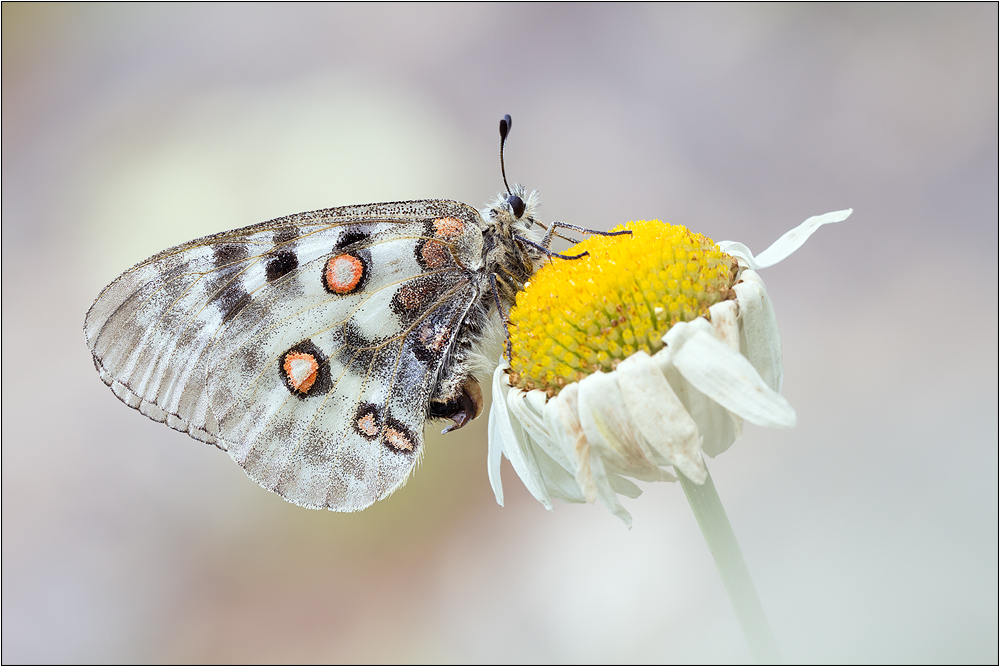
(313, 348)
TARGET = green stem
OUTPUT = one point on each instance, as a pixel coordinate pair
(732, 568)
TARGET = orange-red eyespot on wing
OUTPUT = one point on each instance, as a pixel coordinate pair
(398, 440)
(301, 370)
(448, 228)
(367, 425)
(304, 370)
(344, 274)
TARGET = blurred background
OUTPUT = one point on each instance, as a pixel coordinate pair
(870, 528)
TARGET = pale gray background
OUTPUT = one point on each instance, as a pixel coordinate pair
(870, 529)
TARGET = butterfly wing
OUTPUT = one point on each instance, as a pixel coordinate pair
(308, 347)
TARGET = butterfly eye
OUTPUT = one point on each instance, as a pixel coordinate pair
(516, 204)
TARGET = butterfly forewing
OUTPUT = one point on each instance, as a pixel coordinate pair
(308, 346)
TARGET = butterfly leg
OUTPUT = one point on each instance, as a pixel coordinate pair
(545, 249)
(503, 316)
(555, 224)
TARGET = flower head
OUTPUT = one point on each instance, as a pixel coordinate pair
(640, 356)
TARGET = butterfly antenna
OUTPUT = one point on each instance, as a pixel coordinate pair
(505, 125)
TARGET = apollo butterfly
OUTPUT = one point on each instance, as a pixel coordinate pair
(314, 347)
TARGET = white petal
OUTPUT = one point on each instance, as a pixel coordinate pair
(624, 486)
(604, 490)
(725, 321)
(760, 340)
(493, 457)
(563, 421)
(499, 431)
(608, 427)
(724, 375)
(790, 241)
(520, 454)
(716, 425)
(559, 484)
(660, 416)
(530, 412)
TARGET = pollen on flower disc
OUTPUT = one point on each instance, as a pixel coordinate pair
(583, 315)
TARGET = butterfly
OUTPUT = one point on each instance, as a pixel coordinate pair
(313, 348)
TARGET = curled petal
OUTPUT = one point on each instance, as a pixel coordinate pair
(562, 418)
(606, 424)
(623, 486)
(528, 408)
(517, 448)
(725, 321)
(760, 340)
(660, 416)
(500, 431)
(605, 490)
(559, 484)
(724, 375)
(716, 425)
(789, 242)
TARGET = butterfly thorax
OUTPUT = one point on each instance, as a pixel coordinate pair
(506, 264)
(509, 260)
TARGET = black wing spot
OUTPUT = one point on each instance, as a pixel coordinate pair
(229, 253)
(415, 297)
(281, 263)
(231, 301)
(351, 237)
(285, 234)
(431, 254)
(357, 352)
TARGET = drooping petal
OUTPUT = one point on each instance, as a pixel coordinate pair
(559, 484)
(500, 431)
(716, 425)
(605, 491)
(624, 486)
(660, 416)
(725, 321)
(789, 242)
(760, 341)
(529, 411)
(562, 418)
(607, 426)
(724, 375)
(517, 448)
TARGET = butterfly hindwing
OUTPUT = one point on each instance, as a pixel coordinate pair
(309, 347)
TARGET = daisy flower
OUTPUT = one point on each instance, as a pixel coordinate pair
(636, 359)
(632, 362)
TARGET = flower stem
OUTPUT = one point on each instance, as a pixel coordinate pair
(714, 523)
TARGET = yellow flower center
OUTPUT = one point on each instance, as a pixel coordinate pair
(582, 315)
